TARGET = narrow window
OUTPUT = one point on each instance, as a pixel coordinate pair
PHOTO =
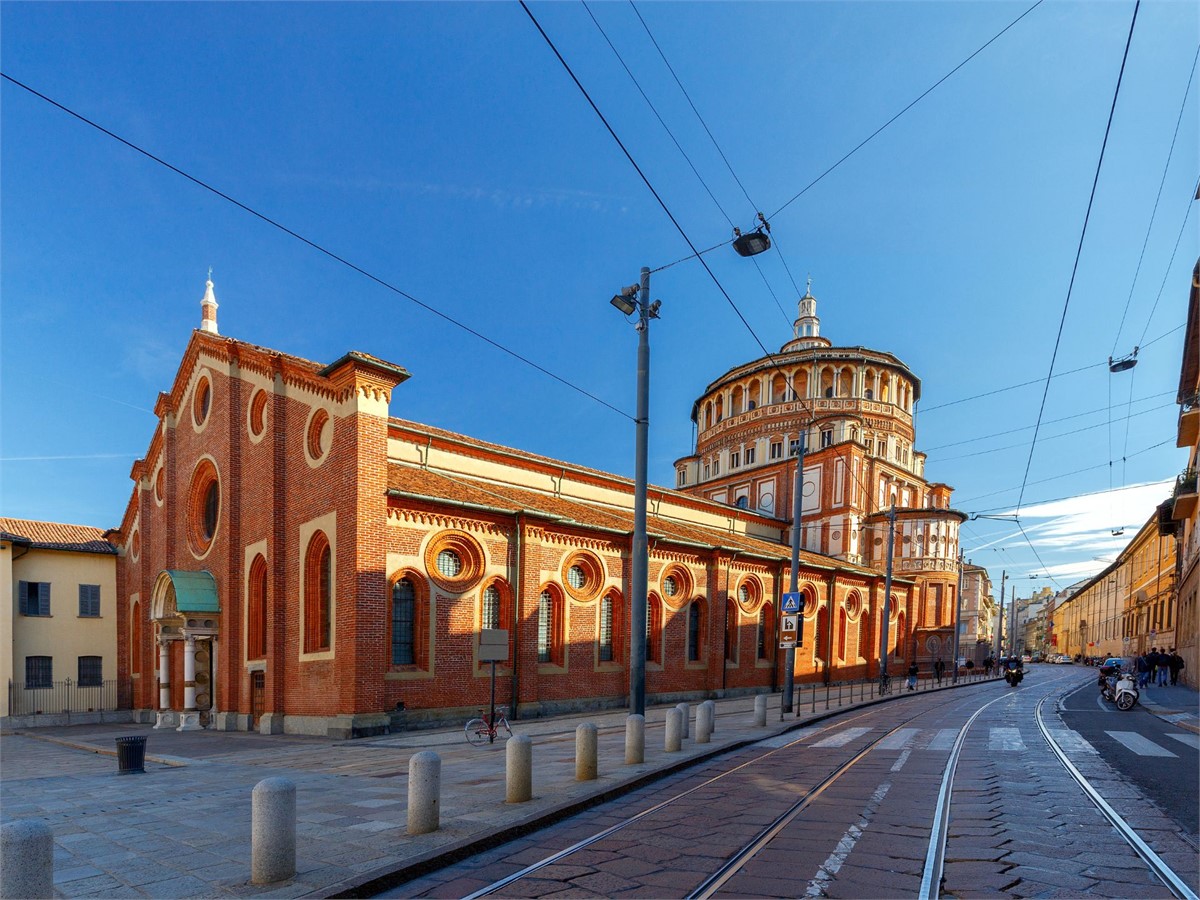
(735, 459)
(91, 671)
(749, 456)
(693, 632)
(606, 629)
(545, 626)
(89, 601)
(731, 632)
(776, 450)
(826, 437)
(39, 672)
(490, 617)
(318, 595)
(404, 607)
(793, 446)
(653, 629)
(135, 643)
(256, 640)
(764, 635)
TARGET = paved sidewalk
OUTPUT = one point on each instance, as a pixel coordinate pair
(1177, 704)
(183, 828)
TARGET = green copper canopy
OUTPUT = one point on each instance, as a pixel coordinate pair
(194, 592)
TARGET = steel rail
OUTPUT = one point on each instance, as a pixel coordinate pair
(1157, 866)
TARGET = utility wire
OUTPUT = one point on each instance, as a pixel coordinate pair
(1011, 387)
(315, 246)
(1182, 226)
(1131, 487)
(921, 97)
(1157, 197)
(1078, 253)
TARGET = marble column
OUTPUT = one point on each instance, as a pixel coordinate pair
(165, 718)
(189, 719)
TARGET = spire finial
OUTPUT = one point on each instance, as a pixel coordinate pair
(210, 275)
(808, 289)
(208, 307)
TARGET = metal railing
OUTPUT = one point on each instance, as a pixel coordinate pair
(59, 697)
(1186, 482)
(811, 696)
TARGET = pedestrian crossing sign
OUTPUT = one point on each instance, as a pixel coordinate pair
(793, 603)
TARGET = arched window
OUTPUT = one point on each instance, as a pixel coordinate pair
(256, 610)
(731, 631)
(135, 649)
(901, 635)
(605, 629)
(404, 623)
(766, 628)
(695, 614)
(821, 644)
(489, 613)
(318, 594)
(550, 624)
(865, 649)
(654, 614)
(841, 634)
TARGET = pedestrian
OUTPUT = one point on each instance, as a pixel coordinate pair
(1142, 665)
(1175, 664)
(988, 662)
(912, 677)
(1164, 667)
(939, 668)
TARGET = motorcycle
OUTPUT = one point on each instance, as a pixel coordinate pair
(1120, 689)
(1013, 676)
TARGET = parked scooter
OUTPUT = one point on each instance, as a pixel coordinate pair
(1120, 689)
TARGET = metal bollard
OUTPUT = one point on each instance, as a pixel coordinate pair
(424, 792)
(518, 769)
(635, 739)
(760, 711)
(686, 712)
(26, 859)
(673, 741)
(273, 831)
(703, 723)
(586, 766)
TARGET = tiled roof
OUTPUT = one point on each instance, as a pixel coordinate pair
(56, 536)
(418, 482)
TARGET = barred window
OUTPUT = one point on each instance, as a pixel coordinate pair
(404, 602)
(449, 563)
(763, 636)
(34, 598)
(491, 608)
(576, 577)
(91, 671)
(693, 632)
(89, 600)
(606, 629)
(670, 586)
(545, 625)
(39, 672)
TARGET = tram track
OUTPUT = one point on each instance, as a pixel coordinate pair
(932, 870)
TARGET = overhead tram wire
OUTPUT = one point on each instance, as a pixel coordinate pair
(679, 147)
(1078, 253)
(315, 246)
(1182, 227)
(870, 137)
(1133, 487)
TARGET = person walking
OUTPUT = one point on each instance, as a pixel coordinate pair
(912, 677)
(1175, 664)
(1142, 665)
(1164, 667)
(939, 669)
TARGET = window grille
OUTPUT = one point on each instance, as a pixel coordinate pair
(491, 608)
(91, 671)
(39, 672)
(606, 629)
(545, 626)
(576, 577)
(693, 642)
(449, 563)
(404, 607)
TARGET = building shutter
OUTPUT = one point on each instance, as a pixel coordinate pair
(89, 600)
(43, 604)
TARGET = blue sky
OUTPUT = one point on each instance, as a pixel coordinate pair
(444, 149)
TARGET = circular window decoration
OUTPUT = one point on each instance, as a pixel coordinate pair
(258, 413)
(454, 561)
(158, 486)
(583, 575)
(853, 606)
(749, 594)
(204, 506)
(202, 401)
(933, 644)
(676, 584)
(319, 436)
(135, 543)
(837, 535)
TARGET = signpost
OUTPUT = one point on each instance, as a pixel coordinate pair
(493, 648)
(791, 633)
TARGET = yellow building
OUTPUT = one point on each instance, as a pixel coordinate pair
(58, 594)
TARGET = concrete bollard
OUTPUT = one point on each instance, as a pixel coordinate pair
(686, 712)
(518, 772)
(703, 723)
(712, 718)
(635, 739)
(273, 831)
(760, 711)
(586, 752)
(26, 859)
(424, 792)
(673, 741)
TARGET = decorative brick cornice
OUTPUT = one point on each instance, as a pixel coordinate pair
(407, 516)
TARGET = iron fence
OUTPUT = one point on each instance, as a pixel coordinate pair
(59, 697)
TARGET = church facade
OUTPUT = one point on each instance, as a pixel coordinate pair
(294, 559)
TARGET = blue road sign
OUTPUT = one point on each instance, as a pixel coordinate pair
(793, 604)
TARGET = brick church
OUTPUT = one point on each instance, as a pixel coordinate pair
(293, 559)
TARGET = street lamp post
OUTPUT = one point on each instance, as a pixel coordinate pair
(789, 655)
(957, 616)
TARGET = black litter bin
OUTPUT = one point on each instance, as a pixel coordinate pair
(131, 755)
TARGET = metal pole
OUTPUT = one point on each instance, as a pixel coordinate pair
(957, 617)
(999, 645)
(640, 561)
(789, 656)
(887, 593)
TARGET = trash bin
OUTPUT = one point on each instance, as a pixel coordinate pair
(131, 755)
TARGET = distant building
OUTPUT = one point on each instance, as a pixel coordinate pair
(295, 559)
(851, 411)
(978, 614)
(58, 598)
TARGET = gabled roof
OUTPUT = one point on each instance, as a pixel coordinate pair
(56, 536)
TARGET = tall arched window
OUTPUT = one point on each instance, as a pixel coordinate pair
(693, 631)
(901, 635)
(731, 631)
(766, 628)
(842, 634)
(654, 613)
(135, 648)
(489, 613)
(865, 650)
(318, 594)
(550, 625)
(256, 610)
(605, 629)
(404, 620)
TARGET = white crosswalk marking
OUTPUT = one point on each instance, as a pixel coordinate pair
(1138, 744)
(944, 739)
(1071, 741)
(1005, 739)
(1192, 740)
(899, 740)
(842, 737)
